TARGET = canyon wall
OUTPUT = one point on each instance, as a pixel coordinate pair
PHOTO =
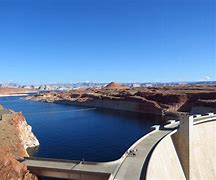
(145, 107)
(164, 101)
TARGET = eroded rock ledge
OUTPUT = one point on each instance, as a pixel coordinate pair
(147, 100)
(15, 138)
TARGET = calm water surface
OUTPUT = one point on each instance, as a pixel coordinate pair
(68, 132)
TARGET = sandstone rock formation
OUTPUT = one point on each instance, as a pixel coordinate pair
(168, 100)
(11, 169)
(15, 138)
(28, 139)
(114, 85)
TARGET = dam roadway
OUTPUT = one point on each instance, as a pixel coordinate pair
(134, 164)
(70, 169)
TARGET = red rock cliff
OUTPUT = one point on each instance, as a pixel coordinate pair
(168, 100)
(15, 138)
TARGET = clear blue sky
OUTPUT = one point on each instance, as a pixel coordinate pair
(107, 40)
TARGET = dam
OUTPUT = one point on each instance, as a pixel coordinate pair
(183, 149)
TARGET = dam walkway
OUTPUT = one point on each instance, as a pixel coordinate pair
(70, 169)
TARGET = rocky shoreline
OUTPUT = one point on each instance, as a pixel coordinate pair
(16, 138)
(9, 95)
(163, 101)
(9, 91)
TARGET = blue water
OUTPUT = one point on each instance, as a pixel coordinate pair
(67, 132)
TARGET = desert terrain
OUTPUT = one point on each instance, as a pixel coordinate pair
(162, 100)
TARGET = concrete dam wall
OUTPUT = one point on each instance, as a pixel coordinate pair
(165, 162)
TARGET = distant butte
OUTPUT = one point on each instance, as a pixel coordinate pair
(114, 85)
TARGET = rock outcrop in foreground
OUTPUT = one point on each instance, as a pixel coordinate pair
(15, 138)
(11, 169)
(168, 100)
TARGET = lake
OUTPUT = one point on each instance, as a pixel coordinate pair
(71, 132)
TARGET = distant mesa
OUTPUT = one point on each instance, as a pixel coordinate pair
(114, 85)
